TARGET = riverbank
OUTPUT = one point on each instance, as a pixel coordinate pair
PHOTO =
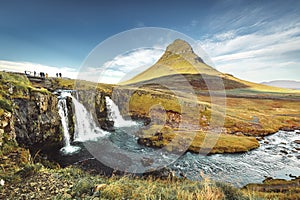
(34, 181)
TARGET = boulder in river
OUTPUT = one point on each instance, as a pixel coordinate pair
(297, 141)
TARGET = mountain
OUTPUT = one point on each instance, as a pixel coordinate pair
(180, 64)
(179, 58)
(284, 84)
(180, 67)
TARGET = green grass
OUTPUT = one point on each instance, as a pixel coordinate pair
(71, 84)
(276, 189)
(196, 141)
(36, 181)
(14, 85)
(73, 183)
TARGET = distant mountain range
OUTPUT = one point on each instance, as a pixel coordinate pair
(284, 84)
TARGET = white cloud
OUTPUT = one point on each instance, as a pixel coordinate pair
(124, 67)
(259, 56)
(28, 66)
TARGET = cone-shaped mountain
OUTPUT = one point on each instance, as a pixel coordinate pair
(179, 58)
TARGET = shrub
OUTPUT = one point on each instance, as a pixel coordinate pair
(5, 105)
(230, 192)
(83, 186)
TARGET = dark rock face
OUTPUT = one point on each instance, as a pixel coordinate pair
(71, 118)
(36, 120)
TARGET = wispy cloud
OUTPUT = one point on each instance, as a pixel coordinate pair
(265, 54)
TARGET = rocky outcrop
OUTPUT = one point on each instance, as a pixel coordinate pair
(7, 130)
(36, 120)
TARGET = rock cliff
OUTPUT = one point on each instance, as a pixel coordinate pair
(29, 116)
(36, 120)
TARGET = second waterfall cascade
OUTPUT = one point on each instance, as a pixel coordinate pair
(115, 115)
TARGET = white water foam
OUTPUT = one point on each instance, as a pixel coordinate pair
(115, 115)
(85, 126)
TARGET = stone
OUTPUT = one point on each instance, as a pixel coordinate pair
(146, 162)
(284, 143)
(297, 141)
(99, 187)
(284, 151)
(4, 123)
(66, 196)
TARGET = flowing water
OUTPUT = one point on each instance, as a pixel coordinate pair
(85, 126)
(277, 157)
(63, 113)
(114, 115)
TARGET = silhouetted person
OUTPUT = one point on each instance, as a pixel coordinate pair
(42, 74)
(59, 74)
(34, 73)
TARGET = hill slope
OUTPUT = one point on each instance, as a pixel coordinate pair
(179, 58)
(284, 84)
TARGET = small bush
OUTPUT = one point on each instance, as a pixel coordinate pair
(5, 105)
(83, 186)
(230, 192)
(29, 170)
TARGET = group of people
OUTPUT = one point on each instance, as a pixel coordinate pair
(42, 74)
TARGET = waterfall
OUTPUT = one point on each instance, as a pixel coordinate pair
(85, 126)
(114, 114)
(63, 113)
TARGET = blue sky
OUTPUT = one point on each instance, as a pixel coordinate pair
(254, 40)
